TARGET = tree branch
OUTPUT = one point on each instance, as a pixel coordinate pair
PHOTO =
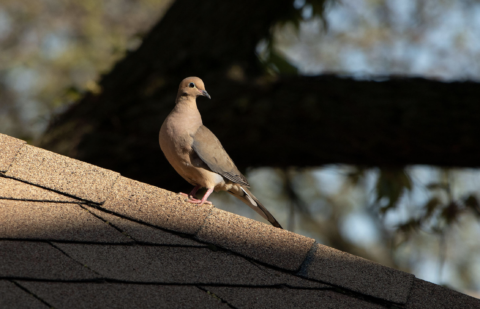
(261, 121)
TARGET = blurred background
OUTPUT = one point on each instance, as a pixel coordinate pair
(296, 83)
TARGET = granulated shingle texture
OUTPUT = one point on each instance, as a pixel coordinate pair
(63, 174)
(143, 233)
(146, 247)
(428, 295)
(117, 295)
(54, 221)
(259, 241)
(169, 264)
(34, 260)
(156, 206)
(9, 148)
(14, 189)
(287, 279)
(244, 297)
(12, 296)
(357, 274)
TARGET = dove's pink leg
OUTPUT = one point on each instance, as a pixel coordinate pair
(192, 199)
(192, 193)
(204, 198)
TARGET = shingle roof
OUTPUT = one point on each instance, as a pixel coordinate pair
(74, 235)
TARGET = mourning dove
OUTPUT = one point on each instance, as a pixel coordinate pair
(197, 154)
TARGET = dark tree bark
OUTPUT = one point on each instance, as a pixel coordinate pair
(261, 121)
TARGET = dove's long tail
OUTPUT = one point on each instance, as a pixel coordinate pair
(248, 198)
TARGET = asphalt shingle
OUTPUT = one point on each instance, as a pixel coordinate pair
(357, 274)
(18, 190)
(290, 280)
(170, 265)
(54, 221)
(428, 295)
(254, 239)
(35, 260)
(9, 148)
(277, 298)
(144, 233)
(62, 174)
(12, 296)
(118, 295)
(155, 206)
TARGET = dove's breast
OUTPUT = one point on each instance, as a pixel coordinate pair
(176, 143)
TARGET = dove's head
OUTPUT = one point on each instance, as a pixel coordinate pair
(192, 87)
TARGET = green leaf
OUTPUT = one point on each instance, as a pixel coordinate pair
(318, 10)
(431, 206)
(436, 186)
(451, 213)
(356, 175)
(391, 184)
(406, 229)
(471, 202)
(282, 64)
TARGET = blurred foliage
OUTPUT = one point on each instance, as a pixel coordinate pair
(442, 210)
(431, 38)
(53, 51)
(391, 185)
(303, 10)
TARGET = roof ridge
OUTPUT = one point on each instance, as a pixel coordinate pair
(157, 207)
(10, 148)
(73, 199)
(56, 172)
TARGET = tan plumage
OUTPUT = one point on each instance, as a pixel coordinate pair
(197, 154)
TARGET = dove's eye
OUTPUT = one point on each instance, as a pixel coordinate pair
(191, 85)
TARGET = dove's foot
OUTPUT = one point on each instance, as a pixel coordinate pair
(200, 202)
(193, 200)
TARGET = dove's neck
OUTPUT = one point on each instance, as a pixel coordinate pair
(186, 113)
(187, 106)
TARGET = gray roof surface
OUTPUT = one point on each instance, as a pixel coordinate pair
(73, 235)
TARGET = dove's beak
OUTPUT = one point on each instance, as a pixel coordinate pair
(205, 94)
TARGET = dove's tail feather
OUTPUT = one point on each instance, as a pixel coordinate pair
(248, 198)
